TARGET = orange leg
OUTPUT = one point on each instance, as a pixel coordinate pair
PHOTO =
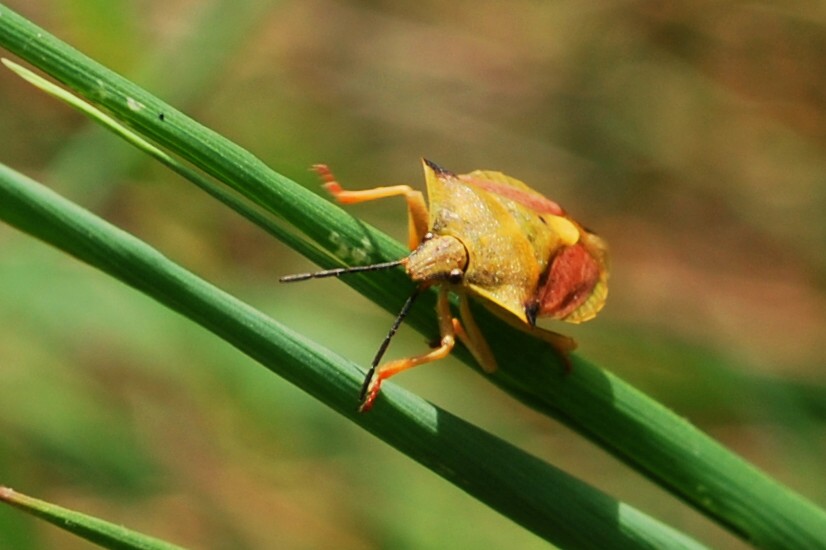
(472, 337)
(446, 343)
(563, 345)
(417, 215)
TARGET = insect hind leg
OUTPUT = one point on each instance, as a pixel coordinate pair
(562, 345)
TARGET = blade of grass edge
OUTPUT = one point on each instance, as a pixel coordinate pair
(94, 530)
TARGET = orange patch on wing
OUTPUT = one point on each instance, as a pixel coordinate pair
(571, 278)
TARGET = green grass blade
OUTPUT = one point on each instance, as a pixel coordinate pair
(545, 500)
(230, 199)
(90, 528)
(170, 128)
(204, 46)
(590, 400)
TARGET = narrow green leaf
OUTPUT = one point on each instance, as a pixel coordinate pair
(204, 45)
(228, 198)
(90, 528)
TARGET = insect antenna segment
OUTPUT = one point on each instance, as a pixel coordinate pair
(340, 271)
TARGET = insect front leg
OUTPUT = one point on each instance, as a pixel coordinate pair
(417, 216)
(372, 384)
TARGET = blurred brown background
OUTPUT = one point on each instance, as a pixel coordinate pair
(690, 135)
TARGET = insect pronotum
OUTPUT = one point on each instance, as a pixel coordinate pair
(490, 236)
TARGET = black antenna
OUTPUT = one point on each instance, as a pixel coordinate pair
(383, 347)
(340, 271)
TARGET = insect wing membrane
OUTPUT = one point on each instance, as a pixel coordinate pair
(598, 250)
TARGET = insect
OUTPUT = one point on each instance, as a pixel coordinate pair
(487, 235)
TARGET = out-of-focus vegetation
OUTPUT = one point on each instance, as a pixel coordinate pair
(690, 135)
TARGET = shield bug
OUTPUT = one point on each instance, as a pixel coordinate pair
(488, 235)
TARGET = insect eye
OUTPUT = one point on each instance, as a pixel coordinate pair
(455, 276)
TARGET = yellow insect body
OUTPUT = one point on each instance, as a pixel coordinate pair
(509, 244)
(488, 235)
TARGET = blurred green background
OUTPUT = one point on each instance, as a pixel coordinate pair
(690, 135)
